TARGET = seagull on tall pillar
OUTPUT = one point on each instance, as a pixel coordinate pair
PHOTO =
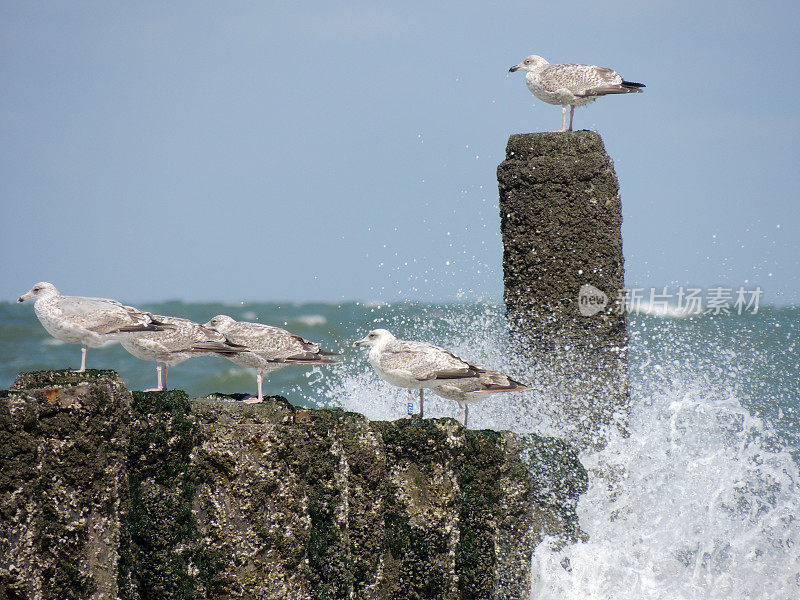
(571, 85)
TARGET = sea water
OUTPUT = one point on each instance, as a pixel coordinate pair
(708, 501)
(704, 500)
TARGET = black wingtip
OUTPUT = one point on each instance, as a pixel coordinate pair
(221, 351)
(143, 328)
(158, 325)
(633, 84)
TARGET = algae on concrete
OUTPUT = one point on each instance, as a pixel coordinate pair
(63, 484)
(163, 556)
(155, 495)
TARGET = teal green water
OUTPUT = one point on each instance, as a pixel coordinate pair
(756, 356)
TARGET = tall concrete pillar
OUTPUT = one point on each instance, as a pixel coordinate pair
(563, 269)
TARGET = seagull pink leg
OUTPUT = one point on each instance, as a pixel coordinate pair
(84, 350)
(260, 398)
(463, 412)
(158, 387)
(563, 119)
(166, 372)
(571, 113)
(421, 404)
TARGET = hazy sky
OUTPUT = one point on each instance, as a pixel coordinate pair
(308, 151)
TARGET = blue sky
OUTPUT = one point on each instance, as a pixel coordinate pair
(307, 151)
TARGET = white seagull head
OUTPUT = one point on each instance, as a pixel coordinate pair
(532, 63)
(220, 323)
(376, 337)
(43, 289)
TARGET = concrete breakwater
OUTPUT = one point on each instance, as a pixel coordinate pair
(109, 494)
(563, 270)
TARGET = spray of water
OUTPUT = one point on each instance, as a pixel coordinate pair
(702, 509)
(704, 497)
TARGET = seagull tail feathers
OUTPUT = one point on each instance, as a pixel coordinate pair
(326, 353)
(157, 323)
(494, 381)
(633, 86)
(217, 348)
(143, 327)
(319, 360)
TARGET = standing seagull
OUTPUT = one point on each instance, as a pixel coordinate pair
(419, 365)
(90, 322)
(474, 389)
(183, 340)
(571, 85)
(266, 348)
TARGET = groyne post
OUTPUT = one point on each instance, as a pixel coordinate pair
(563, 270)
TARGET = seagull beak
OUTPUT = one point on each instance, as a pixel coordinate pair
(514, 68)
(360, 342)
(24, 297)
(20, 299)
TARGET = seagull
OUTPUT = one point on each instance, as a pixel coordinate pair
(266, 348)
(571, 85)
(90, 322)
(420, 365)
(183, 340)
(467, 391)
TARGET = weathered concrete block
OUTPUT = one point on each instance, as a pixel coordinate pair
(325, 504)
(63, 484)
(561, 219)
(155, 496)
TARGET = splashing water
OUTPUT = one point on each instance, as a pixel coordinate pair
(705, 502)
(702, 509)
(700, 500)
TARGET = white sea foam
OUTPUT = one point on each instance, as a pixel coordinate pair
(662, 310)
(374, 303)
(703, 509)
(311, 320)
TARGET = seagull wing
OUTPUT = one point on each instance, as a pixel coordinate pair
(425, 362)
(102, 315)
(584, 80)
(276, 344)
